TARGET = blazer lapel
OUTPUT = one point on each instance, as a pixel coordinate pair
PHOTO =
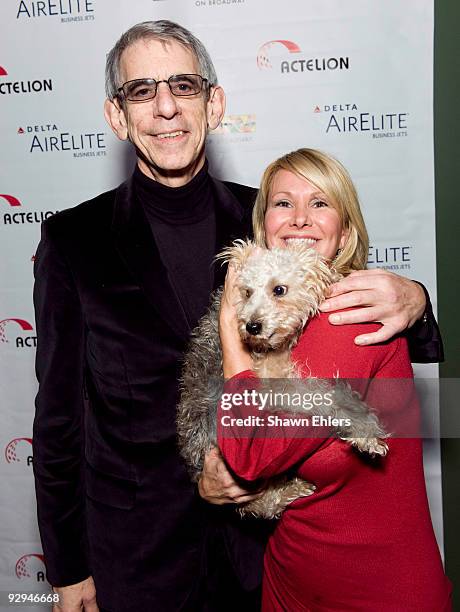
(137, 247)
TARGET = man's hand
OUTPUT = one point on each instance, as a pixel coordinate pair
(77, 597)
(380, 296)
(217, 486)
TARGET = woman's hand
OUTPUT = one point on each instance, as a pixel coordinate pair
(235, 355)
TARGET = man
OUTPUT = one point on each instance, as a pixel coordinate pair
(120, 282)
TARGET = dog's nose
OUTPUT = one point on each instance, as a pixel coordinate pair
(253, 328)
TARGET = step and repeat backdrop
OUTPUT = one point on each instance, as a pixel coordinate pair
(351, 78)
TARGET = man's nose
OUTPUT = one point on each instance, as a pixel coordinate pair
(165, 103)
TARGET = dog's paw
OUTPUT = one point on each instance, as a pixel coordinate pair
(278, 495)
(372, 446)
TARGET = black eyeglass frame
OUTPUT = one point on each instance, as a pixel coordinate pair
(204, 82)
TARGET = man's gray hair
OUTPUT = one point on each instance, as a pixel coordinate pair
(163, 30)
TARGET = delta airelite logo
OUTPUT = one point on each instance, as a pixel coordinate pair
(67, 11)
(274, 48)
(349, 118)
(49, 138)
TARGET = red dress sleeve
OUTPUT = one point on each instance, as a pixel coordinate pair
(253, 448)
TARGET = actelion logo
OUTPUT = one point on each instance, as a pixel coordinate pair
(24, 340)
(24, 87)
(31, 566)
(19, 450)
(273, 54)
(68, 10)
(23, 217)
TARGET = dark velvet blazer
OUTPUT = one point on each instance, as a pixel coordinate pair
(114, 499)
(111, 334)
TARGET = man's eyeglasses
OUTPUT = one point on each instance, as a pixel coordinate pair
(140, 90)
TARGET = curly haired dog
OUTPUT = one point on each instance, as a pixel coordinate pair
(280, 289)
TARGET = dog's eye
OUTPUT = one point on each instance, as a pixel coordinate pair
(280, 290)
(247, 293)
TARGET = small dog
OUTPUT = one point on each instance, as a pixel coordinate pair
(280, 289)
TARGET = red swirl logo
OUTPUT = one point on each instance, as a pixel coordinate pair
(29, 565)
(23, 324)
(272, 48)
(3, 72)
(11, 450)
(12, 201)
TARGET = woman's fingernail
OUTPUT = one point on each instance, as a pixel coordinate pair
(360, 340)
(335, 318)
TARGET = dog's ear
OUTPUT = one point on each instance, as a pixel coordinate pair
(319, 276)
(238, 253)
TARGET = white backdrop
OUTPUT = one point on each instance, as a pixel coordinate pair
(352, 78)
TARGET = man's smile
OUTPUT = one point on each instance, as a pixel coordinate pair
(168, 135)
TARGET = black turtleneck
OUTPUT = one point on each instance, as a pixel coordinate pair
(183, 224)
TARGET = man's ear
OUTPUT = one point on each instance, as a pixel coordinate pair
(116, 118)
(215, 107)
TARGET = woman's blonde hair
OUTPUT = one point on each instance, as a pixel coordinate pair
(329, 176)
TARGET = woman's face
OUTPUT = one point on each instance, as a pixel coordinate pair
(297, 210)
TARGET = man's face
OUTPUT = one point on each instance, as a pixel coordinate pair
(168, 132)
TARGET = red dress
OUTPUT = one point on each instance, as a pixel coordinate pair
(364, 540)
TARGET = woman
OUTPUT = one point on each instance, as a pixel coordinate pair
(364, 540)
